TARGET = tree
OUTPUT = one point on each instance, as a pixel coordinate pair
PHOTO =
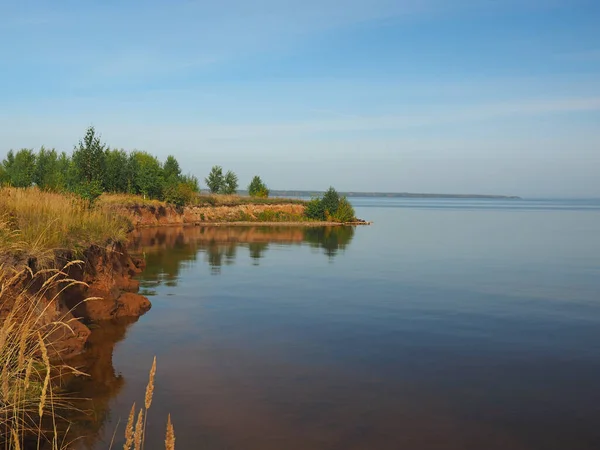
(148, 176)
(6, 166)
(88, 158)
(46, 175)
(171, 169)
(3, 175)
(115, 170)
(66, 178)
(330, 201)
(230, 183)
(215, 180)
(21, 168)
(191, 181)
(257, 188)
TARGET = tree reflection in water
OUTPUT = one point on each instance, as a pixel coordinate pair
(167, 250)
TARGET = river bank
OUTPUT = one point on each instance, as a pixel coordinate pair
(42, 231)
(279, 214)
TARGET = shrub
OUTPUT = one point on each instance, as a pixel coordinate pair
(330, 207)
(89, 190)
(314, 209)
(345, 211)
(179, 194)
(257, 188)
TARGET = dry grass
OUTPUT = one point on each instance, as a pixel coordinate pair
(33, 223)
(237, 200)
(135, 436)
(127, 200)
(29, 403)
(130, 200)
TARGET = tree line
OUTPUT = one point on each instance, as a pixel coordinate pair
(94, 168)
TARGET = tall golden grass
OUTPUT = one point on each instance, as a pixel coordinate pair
(117, 200)
(31, 402)
(129, 200)
(34, 222)
(237, 200)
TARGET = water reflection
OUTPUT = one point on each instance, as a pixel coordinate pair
(168, 249)
(95, 392)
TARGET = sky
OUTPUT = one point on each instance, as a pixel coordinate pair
(433, 96)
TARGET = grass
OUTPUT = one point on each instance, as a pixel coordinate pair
(237, 200)
(33, 410)
(111, 200)
(34, 223)
(30, 405)
(130, 200)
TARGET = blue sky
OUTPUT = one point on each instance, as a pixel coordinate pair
(467, 96)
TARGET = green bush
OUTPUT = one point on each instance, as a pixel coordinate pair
(345, 211)
(314, 209)
(330, 207)
(257, 188)
(89, 190)
(179, 194)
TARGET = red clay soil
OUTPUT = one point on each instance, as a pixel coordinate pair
(108, 274)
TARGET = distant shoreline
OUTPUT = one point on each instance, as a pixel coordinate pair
(289, 193)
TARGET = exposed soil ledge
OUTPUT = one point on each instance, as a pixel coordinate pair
(108, 273)
(247, 214)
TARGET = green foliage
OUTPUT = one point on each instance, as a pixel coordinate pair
(3, 176)
(116, 171)
(46, 174)
(89, 191)
(94, 168)
(148, 175)
(215, 180)
(330, 207)
(191, 181)
(257, 188)
(89, 159)
(171, 169)
(66, 178)
(345, 211)
(314, 209)
(330, 202)
(230, 183)
(20, 168)
(179, 194)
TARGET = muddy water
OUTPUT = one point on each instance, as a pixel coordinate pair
(441, 326)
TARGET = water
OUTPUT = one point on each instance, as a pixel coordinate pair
(447, 324)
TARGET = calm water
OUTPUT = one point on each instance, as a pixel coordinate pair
(447, 324)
